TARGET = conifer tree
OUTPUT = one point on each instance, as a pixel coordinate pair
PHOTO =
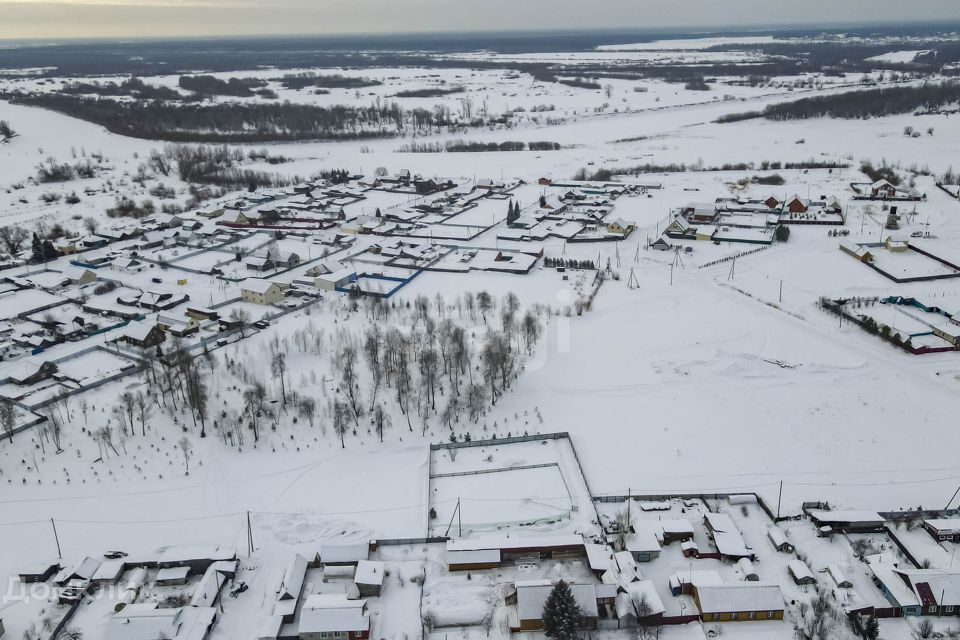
(562, 616)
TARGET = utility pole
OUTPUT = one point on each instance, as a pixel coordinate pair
(249, 536)
(781, 291)
(951, 498)
(56, 538)
(779, 497)
(628, 507)
(455, 514)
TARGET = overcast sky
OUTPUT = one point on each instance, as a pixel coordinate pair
(108, 18)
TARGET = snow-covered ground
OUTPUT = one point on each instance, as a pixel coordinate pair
(706, 376)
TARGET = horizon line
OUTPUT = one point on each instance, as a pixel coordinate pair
(692, 30)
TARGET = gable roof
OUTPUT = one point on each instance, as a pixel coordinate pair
(732, 598)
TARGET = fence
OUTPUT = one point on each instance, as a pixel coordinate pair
(477, 472)
(64, 620)
(396, 542)
(562, 435)
(733, 257)
(654, 497)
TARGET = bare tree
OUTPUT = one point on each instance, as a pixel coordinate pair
(187, 450)
(485, 304)
(13, 238)
(381, 420)
(144, 410)
(531, 330)
(8, 418)
(241, 317)
(278, 366)
(347, 360)
(341, 416)
(476, 401)
(373, 355)
(253, 399)
(307, 409)
(429, 371)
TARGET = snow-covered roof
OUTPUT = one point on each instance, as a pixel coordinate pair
(108, 571)
(293, 576)
(799, 570)
(173, 573)
(531, 598)
(333, 612)
(854, 517)
(643, 541)
(600, 556)
(946, 526)
(173, 556)
(747, 596)
(85, 568)
(480, 556)
(894, 586)
(208, 589)
(344, 553)
(138, 330)
(746, 567)
(369, 573)
(777, 536)
(256, 285)
(726, 536)
(676, 526)
(143, 621)
(515, 542)
(836, 573)
(646, 590)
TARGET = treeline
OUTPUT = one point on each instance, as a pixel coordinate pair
(207, 165)
(429, 93)
(329, 81)
(212, 86)
(867, 103)
(51, 170)
(231, 122)
(883, 172)
(466, 146)
(133, 87)
(579, 83)
(605, 174)
(568, 263)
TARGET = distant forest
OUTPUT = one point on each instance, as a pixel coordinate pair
(327, 81)
(867, 103)
(212, 86)
(232, 122)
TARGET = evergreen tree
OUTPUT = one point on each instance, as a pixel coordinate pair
(871, 628)
(37, 246)
(49, 251)
(513, 212)
(562, 616)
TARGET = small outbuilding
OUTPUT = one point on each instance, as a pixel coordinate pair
(369, 578)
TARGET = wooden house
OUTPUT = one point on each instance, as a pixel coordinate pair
(739, 602)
